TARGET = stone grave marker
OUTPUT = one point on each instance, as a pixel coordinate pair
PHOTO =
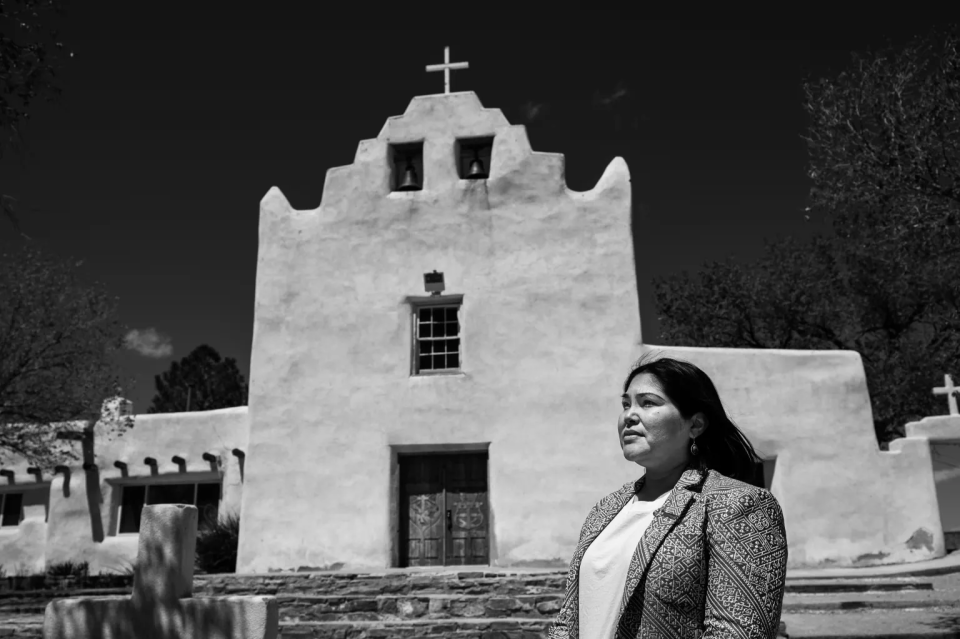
(162, 605)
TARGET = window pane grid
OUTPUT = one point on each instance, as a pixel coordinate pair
(204, 495)
(438, 338)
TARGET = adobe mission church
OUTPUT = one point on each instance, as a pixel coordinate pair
(438, 353)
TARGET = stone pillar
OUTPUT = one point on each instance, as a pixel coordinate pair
(168, 541)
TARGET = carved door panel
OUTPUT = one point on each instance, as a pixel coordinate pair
(465, 482)
(422, 513)
(443, 510)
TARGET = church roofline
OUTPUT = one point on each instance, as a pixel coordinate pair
(468, 100)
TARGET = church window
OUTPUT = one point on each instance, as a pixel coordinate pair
(406, 162)
(204, 495)
(473, 158)
(12, 509)
(436, 338)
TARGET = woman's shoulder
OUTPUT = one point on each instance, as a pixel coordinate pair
(735, 497)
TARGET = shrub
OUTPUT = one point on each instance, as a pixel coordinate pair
(69, 569)
(217, 546)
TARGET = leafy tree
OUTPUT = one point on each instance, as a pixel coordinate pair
(200, 381)
(28, 71)
(884, 138)
(57, 340)
(883, 144)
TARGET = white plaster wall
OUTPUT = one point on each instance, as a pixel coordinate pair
(22, 547)
(549, 320)
(82, 509)
(844, 500)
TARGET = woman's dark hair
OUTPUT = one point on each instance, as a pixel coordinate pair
(722, 446)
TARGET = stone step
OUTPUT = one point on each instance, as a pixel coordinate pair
(864, 603)
(424, 629)
(381, 608)
(876, 624)
(811, 586)
(421, 629)
(504, 584)
(403, 607)
(430, 604)
(906, 624)
(439, 607)
(859, 625)
(493, 584)
(388, 583)
(21, 626)
(240, 585)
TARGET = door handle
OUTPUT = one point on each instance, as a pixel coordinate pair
(449, 520)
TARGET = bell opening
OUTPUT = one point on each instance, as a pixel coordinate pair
(476, 171)
(473, 158)
(406, 162)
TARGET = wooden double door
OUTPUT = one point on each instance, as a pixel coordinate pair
(444, 510)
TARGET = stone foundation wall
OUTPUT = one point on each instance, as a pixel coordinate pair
(344, 605)
(386, 583)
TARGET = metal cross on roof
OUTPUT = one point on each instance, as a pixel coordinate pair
(446, 68)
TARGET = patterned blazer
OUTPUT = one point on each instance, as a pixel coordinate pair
(712, 563)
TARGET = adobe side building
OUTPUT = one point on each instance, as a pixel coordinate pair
(437, 358)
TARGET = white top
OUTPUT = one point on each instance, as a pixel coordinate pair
(603, 570)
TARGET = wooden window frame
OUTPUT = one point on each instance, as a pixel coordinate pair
(154, 481)
(433, 301)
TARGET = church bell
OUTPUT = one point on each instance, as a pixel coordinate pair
(410, 181)
(476, 172)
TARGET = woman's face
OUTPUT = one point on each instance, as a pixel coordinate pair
(652, 431)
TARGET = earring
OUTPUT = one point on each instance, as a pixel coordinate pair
(693, 448)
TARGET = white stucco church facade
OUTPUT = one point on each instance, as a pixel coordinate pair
(437, 356)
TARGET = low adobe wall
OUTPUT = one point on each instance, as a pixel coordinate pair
(845, 502)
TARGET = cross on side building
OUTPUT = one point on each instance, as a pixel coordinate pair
(950, 391)
(446, 67)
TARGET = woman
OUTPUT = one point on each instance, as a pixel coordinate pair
(690, 549)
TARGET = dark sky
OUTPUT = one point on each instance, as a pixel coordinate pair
(174, 123)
